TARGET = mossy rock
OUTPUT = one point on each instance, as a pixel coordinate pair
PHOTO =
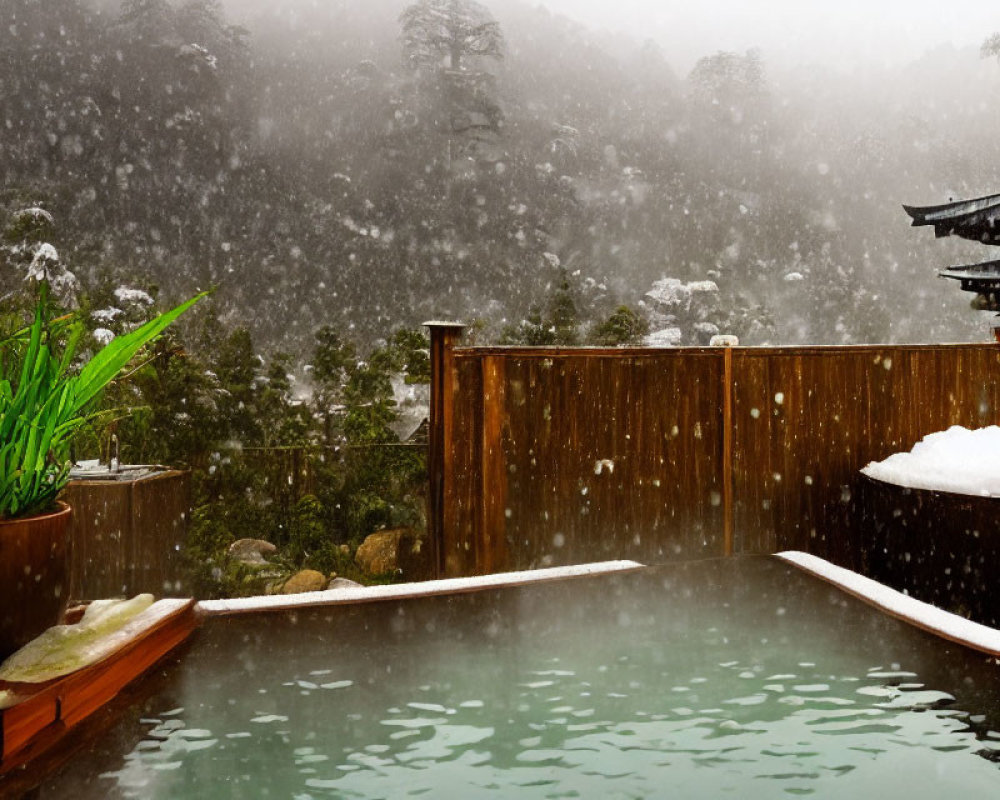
(400, 553)
(308, 580)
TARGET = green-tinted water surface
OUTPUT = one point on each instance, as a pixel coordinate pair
(735, 679)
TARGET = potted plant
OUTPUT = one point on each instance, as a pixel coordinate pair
(44, 402)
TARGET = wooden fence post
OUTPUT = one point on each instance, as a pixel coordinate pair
(444, 336)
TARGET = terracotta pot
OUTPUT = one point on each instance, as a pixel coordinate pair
(34, 576)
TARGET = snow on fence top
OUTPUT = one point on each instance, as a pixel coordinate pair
(957, 460)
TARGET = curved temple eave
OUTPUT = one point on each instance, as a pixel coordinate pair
(951, 212)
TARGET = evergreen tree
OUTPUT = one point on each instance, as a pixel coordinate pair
(563, 317)
(449, 32)
(447, 43)
(333, 361)
(558, 326)
(237, 367)
(623, 327)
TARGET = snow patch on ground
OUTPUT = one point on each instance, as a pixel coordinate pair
(957, 460)
(107, 315)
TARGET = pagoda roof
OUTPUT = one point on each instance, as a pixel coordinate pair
(975, 277)
(978, 220)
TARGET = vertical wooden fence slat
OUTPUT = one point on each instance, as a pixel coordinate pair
(101, 531)
(460, 543)
(727, 451)
(494, 486)
(160, 507)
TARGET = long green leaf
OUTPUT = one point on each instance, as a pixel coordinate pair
(76, 331)
(34, 343)
(41, 414)
(105, 366)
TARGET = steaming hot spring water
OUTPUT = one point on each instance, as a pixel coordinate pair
(744, 678)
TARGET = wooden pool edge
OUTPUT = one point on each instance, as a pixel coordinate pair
(917, 613)
(45, 713)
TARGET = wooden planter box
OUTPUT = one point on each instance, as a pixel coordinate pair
(128, 535)
(938, 547)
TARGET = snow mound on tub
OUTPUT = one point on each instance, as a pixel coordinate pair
(957, 460)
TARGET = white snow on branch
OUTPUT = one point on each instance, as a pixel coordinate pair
(107, 315)
(36, 213)
(46, 257)
(668, 337)
(46, 266)
(127, 296)
(676, 295)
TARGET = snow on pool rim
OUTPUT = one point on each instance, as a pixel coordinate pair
(903, 607)
(405, 591)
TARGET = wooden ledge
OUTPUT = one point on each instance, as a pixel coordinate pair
(35, 717)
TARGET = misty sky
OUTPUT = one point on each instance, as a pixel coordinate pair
(841, 32)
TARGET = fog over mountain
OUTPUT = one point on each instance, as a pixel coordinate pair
(328, 163)
(848, 35)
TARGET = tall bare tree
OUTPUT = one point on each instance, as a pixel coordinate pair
(436, 32)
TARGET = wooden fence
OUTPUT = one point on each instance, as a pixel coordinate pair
(556, 456)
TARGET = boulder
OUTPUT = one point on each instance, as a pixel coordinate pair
(251, 551)
(308, 580)
(400, 552)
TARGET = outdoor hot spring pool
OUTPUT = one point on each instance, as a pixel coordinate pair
(742, 678)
